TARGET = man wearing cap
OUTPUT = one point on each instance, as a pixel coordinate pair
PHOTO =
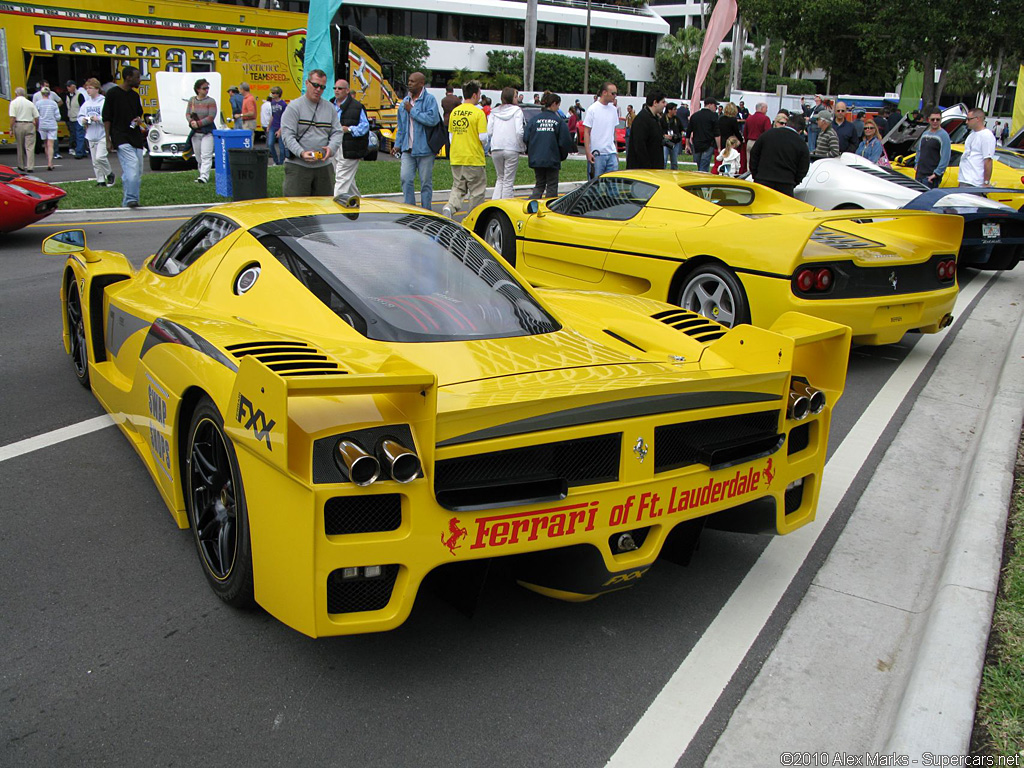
(24, 122)
(827, 144)
(73, 100)
(248, 108)
(355, 141)
(702, 138)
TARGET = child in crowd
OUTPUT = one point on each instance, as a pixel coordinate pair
(729, 158)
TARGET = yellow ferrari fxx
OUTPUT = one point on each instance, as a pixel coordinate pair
(734, 251)
(339, 401)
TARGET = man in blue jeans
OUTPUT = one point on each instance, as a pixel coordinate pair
(599, 124)
(126, 130)
(702, 138)
(417, 113)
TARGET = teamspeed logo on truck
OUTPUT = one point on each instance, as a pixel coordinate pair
(506, 529)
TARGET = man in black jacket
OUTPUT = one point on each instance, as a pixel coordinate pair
(702, 138)
(780, 158)
(355, 141)
(646, 137)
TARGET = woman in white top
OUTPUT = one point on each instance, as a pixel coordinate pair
(505, 131)
(90, 115)
(49, 116)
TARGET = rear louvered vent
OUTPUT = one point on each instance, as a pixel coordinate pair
(288, 358)
(840, 240)
(895, 178)
(692, 324)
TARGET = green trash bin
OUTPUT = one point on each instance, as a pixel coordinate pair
(248, 173)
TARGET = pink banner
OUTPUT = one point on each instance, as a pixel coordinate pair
(722, 19)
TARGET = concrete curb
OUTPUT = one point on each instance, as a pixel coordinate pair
(148, 212)
(936, 712)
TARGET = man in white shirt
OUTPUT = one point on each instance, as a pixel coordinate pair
(24, 123)
(599, 124)
(979, 151)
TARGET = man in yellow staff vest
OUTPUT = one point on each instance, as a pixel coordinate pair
(467, 127)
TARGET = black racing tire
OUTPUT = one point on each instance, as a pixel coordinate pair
(496, 230)
(155, 163)
(79, 336)
(215, 502)
(712, 290)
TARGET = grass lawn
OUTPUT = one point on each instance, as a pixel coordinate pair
(999, 719)
(179, 187)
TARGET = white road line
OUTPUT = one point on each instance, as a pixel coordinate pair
(47, 439)
(668, 726)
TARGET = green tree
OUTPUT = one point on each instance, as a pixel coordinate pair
(462, 76)
(675, 62)
(555, 72)
(407, 54)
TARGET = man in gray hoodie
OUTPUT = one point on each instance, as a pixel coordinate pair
(311, 132)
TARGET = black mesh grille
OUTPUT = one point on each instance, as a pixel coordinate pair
(585, 461)
(354, 595)
(794, 497)
(692, 324)
(799, 438)
(679, 445)
(288, 358)
(893, 176)
(362, 514)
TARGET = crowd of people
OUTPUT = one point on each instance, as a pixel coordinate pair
(321, 141)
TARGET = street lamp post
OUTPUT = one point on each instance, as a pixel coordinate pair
(586, 55)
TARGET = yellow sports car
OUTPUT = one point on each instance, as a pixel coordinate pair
(1007, 173)
(734, 251)
(338, 401)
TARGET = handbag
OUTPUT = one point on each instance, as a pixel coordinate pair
(437, 137)
(883, 161)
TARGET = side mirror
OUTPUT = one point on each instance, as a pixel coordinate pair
(535, 207)
(63, 243)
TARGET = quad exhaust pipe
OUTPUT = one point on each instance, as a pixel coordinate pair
(804, 400)
(402, 465)
(363, 468)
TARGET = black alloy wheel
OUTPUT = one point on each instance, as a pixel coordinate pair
(496, 231)
(217, 514)
(76, 328)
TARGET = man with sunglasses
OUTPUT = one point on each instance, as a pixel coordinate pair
(932, 152)
(846, 131)
(979, 152)
(311, 132)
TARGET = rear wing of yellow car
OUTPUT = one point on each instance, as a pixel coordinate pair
(257, 417)
(876, 230)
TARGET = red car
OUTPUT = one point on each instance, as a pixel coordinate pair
(620, 135)
(24, 199)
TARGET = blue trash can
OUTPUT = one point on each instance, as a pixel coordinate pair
(223, 140)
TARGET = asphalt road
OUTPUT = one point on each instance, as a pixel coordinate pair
(115, 651)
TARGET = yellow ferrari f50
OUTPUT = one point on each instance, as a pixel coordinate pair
(734, 251)
(339, 401)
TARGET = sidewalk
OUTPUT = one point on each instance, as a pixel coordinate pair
(884, 653)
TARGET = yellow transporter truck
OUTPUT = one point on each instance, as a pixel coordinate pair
(94, 38)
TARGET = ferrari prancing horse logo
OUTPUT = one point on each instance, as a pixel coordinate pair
(640, 449)
(455, 533)
(254, 419)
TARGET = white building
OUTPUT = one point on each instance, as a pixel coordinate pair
(461, 32)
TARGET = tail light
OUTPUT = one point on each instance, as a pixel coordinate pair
(946, 270)
(810, 280)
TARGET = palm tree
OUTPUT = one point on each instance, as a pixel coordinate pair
(680, 52)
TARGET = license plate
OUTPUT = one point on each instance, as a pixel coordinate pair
(990, 230)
